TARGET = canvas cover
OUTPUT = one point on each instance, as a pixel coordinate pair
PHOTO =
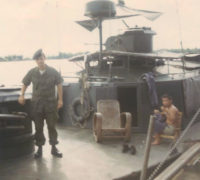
(191, 88)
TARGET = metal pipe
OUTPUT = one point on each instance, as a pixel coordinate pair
(183, 62)
(168, 66)
(147, 148)
(174, 168)
(100, 39)
(128, 64)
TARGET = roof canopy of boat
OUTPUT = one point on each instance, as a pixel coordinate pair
(112, 53)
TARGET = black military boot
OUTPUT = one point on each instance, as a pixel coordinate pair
(133, 150)
(55, 152)
(125, 148)
(38, 154)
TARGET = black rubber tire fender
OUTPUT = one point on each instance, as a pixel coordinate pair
(74, 112)
(16, 140)
(6, 133)
(17, 146)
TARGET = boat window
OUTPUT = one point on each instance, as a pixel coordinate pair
(118, 63)
(93, 63)
(135, 62)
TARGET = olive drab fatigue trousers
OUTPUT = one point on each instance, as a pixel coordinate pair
(45, 110)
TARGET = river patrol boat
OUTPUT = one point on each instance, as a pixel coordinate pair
(119, 72)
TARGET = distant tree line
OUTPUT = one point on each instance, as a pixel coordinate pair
(12, 58)
(187, 50)
(61, 55)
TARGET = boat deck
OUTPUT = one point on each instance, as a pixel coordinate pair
(83, 159)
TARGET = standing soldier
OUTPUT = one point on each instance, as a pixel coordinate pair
(44, 102)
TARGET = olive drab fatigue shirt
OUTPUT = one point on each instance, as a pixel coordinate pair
(43, 94)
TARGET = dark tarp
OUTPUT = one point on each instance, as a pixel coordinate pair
(152, 89)
(191, 88)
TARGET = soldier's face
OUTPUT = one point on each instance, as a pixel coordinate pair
(41, 61)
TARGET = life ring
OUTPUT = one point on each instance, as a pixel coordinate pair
(76, 113)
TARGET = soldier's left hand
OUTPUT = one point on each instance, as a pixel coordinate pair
(60, 104)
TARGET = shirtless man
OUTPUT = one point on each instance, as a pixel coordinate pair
(172, 118)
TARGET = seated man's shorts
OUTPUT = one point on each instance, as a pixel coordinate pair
(169, 130)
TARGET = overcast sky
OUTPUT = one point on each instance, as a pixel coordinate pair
(27, 25)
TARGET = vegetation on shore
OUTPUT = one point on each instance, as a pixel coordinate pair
(185, 51)
(61, 55)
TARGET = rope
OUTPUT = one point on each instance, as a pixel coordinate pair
(175, 145)
(84, 97)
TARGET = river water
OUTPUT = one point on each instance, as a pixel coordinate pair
(12, 73)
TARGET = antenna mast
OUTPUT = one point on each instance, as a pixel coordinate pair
(99, 10)
(100, 39)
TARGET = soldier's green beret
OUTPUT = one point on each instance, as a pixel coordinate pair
(38, 54)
